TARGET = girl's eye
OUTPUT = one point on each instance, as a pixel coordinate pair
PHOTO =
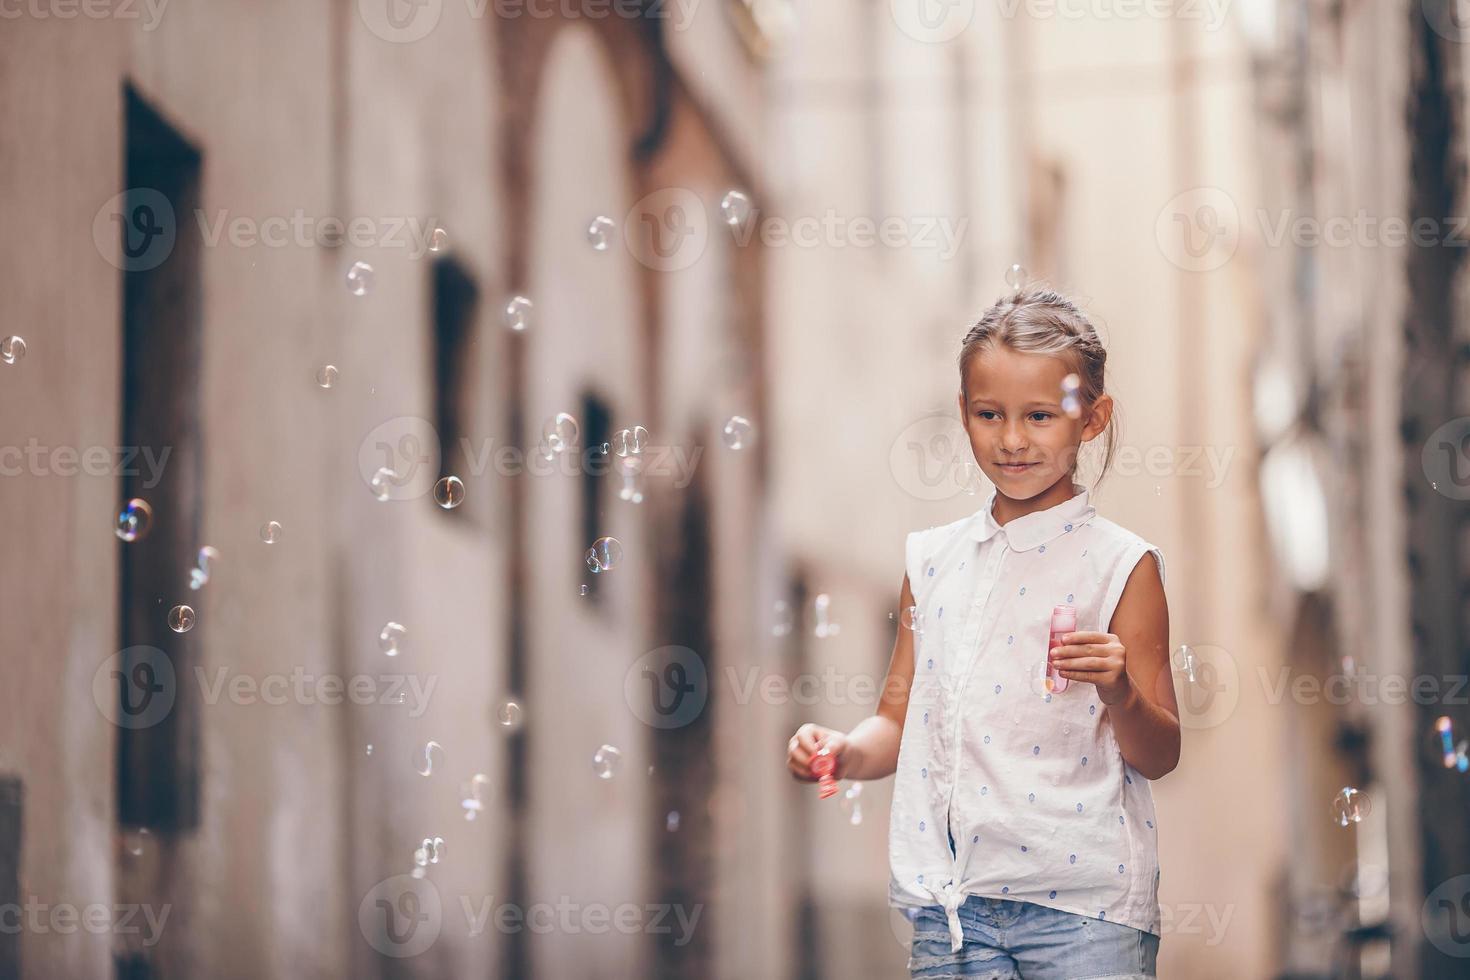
(987, 414)
(1040, 416)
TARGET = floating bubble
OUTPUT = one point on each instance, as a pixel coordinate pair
(426, 854)
(782, 618)
(852, 804)
(632, 474)
(584, 590)
(630, 441)
(1451, 753)
(360, 278)
(1350, 806)
(518, 313)
(604, 554)
(181, 619)
(821, 607)
(270, 532)
(599, 232)
(671, 822)
(382, 483)
(449, 492)
(1071, 397)
(429, 747)
(136, 840)
(738, 432)
(735, 207)
(326, 376)
(1016, 277)
(471, 800)
(438, 240)
(12, 349)
(560, 432)
(509, 715)
(389, 636)
(911, 619)
(606, 762)
(370, 748)
(199, 575)
(1186, 662)
(135, 520)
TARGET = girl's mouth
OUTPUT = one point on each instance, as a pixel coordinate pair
(1014, 468)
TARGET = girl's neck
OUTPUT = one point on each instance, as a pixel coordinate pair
(1007, 509)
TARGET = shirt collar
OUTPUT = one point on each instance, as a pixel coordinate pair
(1025, 533)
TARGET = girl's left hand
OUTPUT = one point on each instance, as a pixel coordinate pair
(1096, 658)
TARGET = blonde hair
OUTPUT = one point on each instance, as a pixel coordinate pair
(1038, 320)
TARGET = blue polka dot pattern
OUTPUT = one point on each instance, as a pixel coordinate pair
(926, 717)
(1071, 859)
(1150, 824)
(1067, 527)
(924, 772)
(1023, 848)
(1047, 699)
(1127, 779)
(1069, 597)
(1079, 807)
(1103, 914)
(1120, 869)
(931, 663)
(997, 689)
(987, 739)
(975, 839)
(1023, 590)
(1092, 709)
(921, 825)
(1043, 549)
(931, 571)
(984, 790)
(1120, 818)
(1084, 552)
(1035, 750)
(1005, 889)
(1084, 760)
(1030, 797)
(1011, 640)
(921, 879)
(962, 566)
(1052, 895)
(941, 613)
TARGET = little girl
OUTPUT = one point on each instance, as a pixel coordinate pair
(1022, 827)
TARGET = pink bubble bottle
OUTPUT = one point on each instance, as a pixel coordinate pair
(824, 764)
(1063, 621)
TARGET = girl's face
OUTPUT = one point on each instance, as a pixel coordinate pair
(1011, 404)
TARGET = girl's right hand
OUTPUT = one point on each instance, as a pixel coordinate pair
(807, 741)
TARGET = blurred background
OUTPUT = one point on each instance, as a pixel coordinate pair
(274, 272)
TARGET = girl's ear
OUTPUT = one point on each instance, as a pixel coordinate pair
(1097, 420)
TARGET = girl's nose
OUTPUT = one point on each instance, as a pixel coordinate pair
(1012, 439)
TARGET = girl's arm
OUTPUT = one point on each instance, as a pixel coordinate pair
(869, 751)
(1141, 704)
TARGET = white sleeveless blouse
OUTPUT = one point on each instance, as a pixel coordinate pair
(1033, 786)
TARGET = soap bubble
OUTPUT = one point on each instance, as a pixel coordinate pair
(1350, 806)
(630, 441)
(559, 433)
(671, 822)
(199, 576)
(389, 636)
(606, 762)
(360, 278)
(509, 715)
(135, 520)
(911, 618)
(428, 767)
(782, 618)
(438, 240)
(326, 376)
(270, 532)
(382, 483)
(599, 232)
(12, 349)
(518, 313)
(604, 554)
(449, 492)
(738, 432)
(181, 619)
(1016, 277)
(735, 207)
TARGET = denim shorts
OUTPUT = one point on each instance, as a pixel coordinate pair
(1008, 940)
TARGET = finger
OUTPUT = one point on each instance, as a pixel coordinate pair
(1086, 664)
(809, 738)
(1088, 636)
(1092, 676)
(802, 774)
(1073, 650)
